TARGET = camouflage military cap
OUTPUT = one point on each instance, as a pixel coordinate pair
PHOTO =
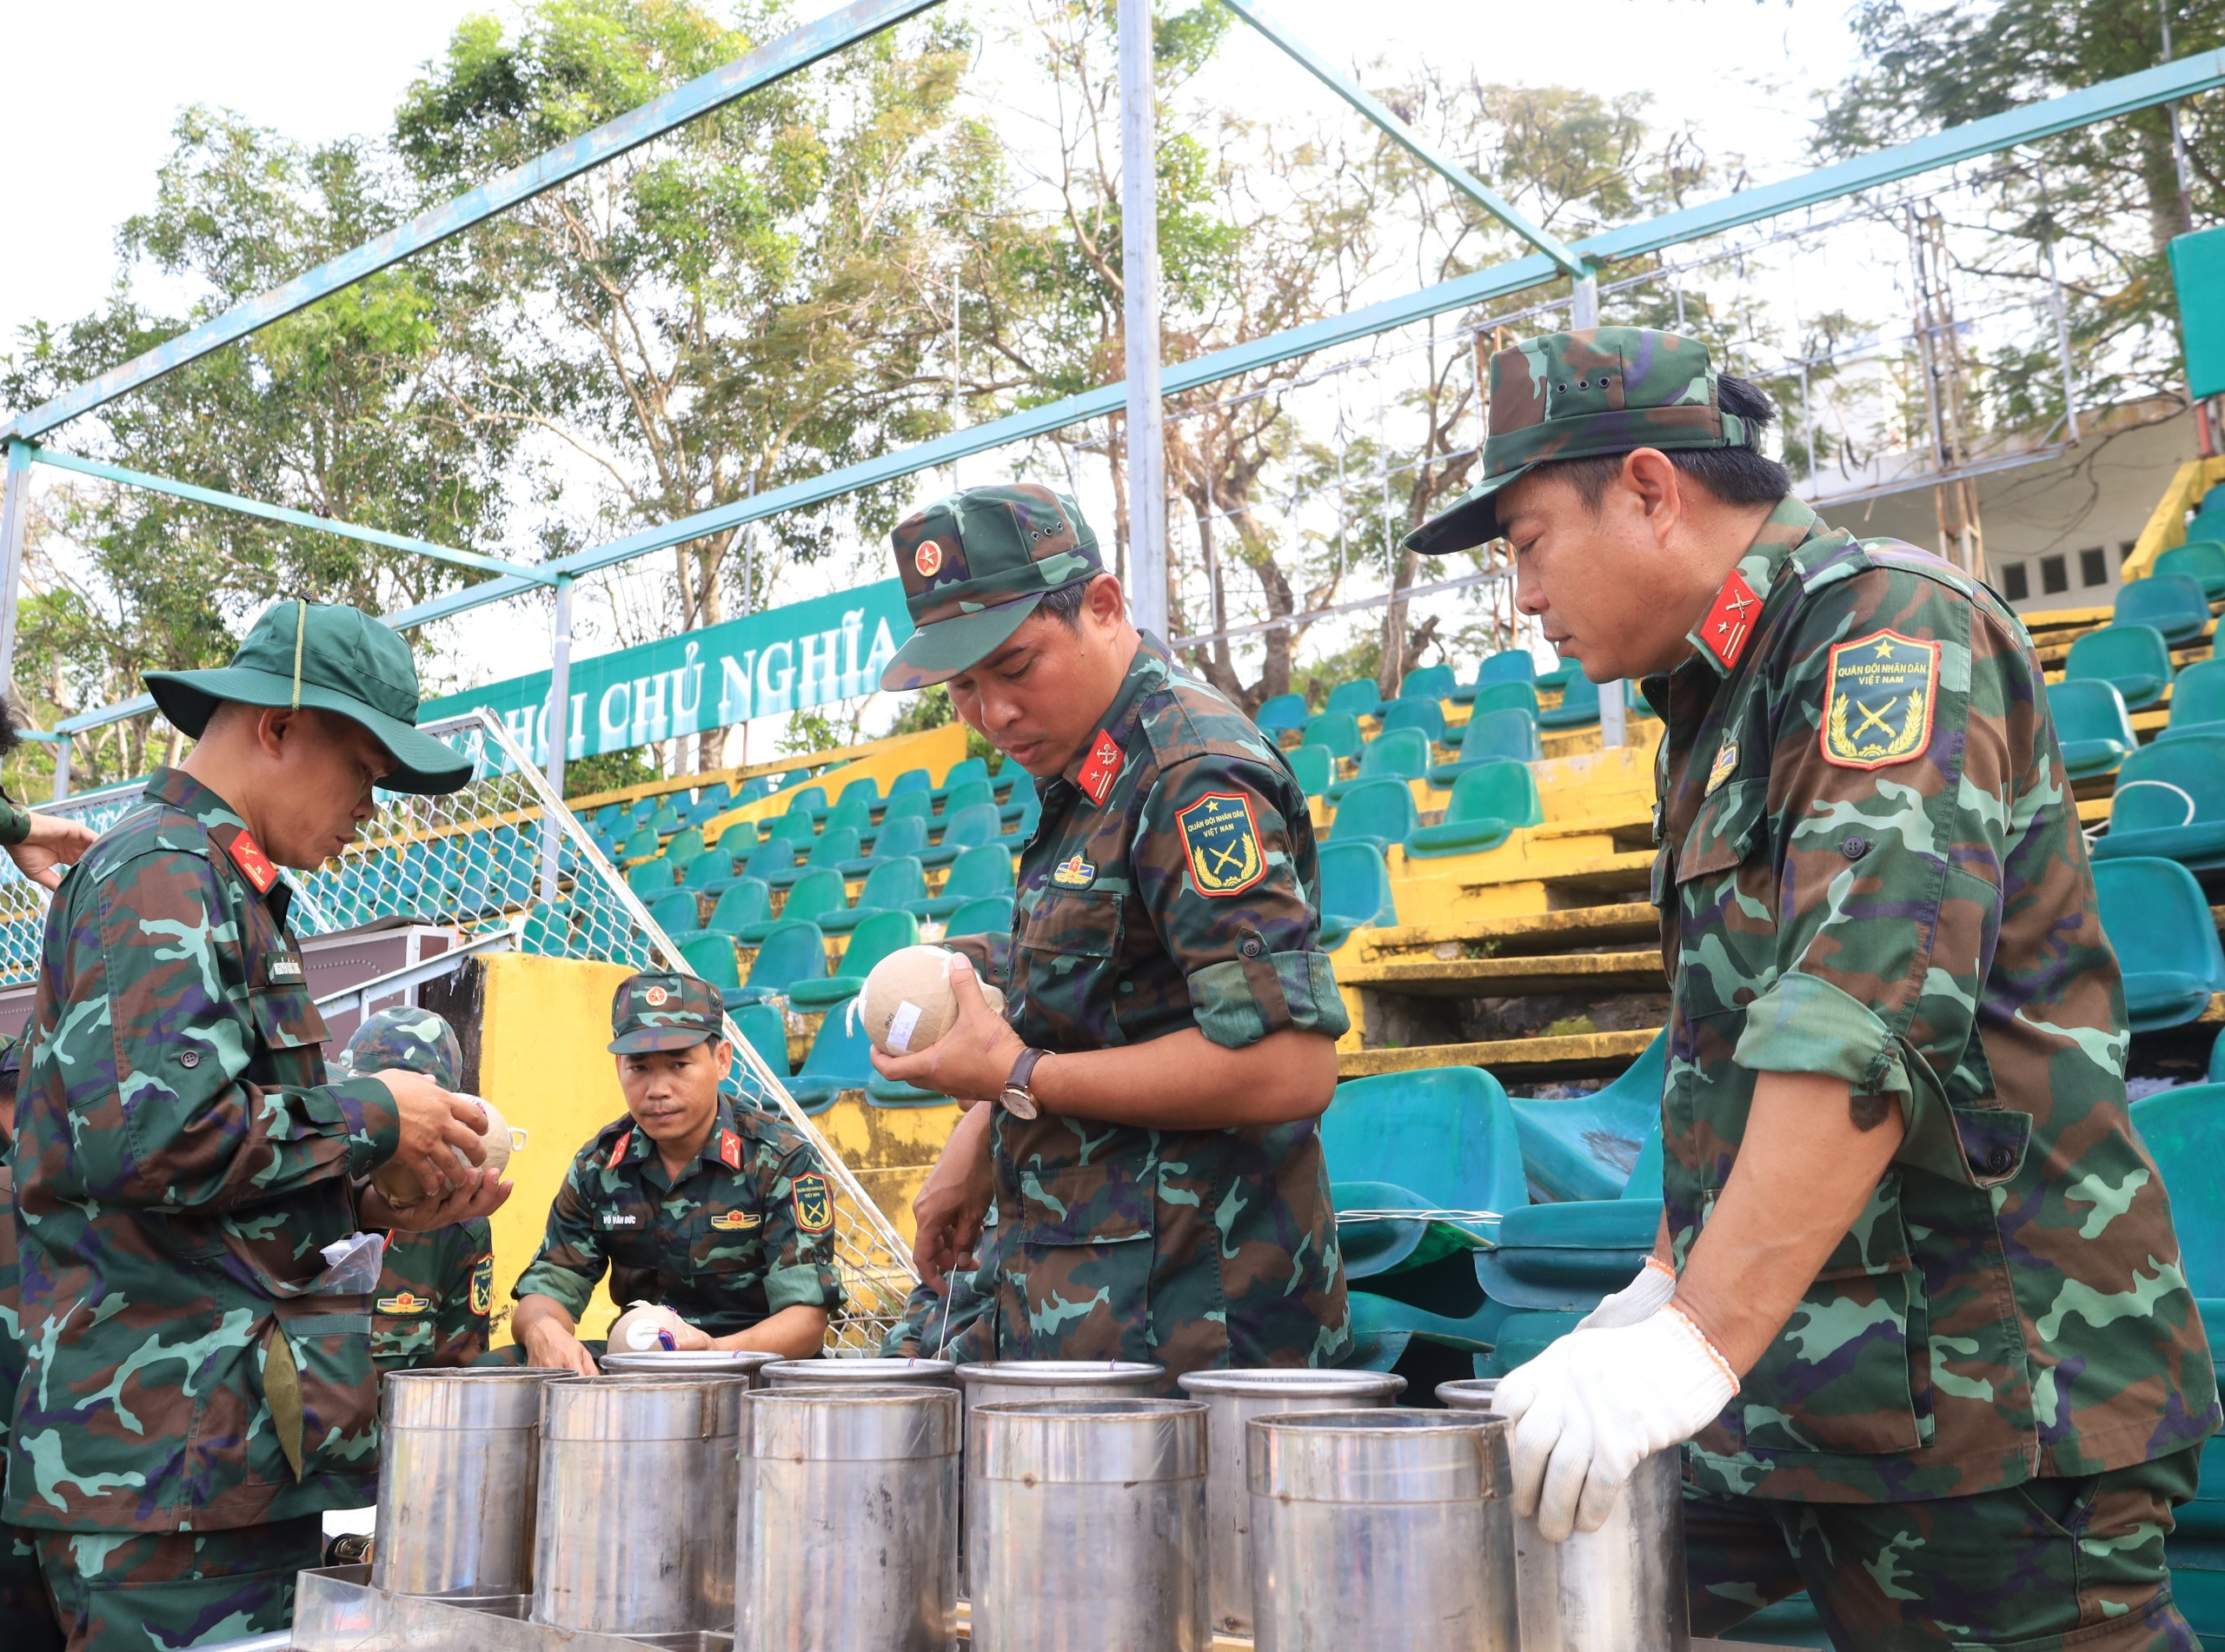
(1575, 395)
(974, 566)
(406, 1040)
(664, 1010)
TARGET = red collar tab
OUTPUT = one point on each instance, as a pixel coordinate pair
(1731, 621)
(618, 1152)
(1102, 769)
(255, 866)
(730, 1149)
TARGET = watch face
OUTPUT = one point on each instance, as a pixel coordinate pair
(1018, 1103)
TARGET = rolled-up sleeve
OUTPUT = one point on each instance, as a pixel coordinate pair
(1215, 872)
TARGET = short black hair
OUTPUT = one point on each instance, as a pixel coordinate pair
(1735, 475)
(1064, 604)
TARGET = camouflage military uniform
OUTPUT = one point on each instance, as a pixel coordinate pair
(26, 1614)
(957, 1326)
(1850, 786)
(435, 1290)
(181, 1162)
(746, 1232)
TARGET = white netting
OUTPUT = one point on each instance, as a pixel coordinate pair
(472, 859)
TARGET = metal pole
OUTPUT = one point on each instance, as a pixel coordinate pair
(1584, 311)
(559, 730)
(61, 767)
(1140, 313)
(2178, 139)
(15, 512)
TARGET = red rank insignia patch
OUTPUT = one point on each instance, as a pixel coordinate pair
(618, 1152)
(730, 1149)
(1731, 621)
(247, 854)
(1102, 769)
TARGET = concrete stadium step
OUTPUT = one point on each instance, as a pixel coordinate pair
(1511, 1061)
(1631, 971)
(1520, 933)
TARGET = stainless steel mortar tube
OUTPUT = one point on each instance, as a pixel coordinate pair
(1233, 1399)
(1085, 1526)
(846, 1373)
(459, 1463)
(1620, 1588)
(847, 1537)
(1388, 1530)
(639, 1486)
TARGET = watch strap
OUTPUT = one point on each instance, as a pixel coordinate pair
(1024, 1069)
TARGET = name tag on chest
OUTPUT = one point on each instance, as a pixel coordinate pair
(285, 970)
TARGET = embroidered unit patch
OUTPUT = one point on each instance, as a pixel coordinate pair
(736, 1221)
(813, 1204)
(1880, 693)
(1223, 843)
(408, 1303)
(1725, 764)
(482, 1286)
(1074, 872)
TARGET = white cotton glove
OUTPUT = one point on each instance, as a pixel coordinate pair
(1596, 1403)
(1642, 1298)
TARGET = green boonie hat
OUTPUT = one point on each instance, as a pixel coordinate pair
(664, 1010)
(1575, 395)
(330, 658)
(974, 566)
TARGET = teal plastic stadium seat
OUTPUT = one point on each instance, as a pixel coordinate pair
(905, 836)
(811, 800)
(1510, 733)
(1562, 1258)
(2217, 1076)
(892, 885)
(2198, 701)
(711, 957)
(2092, 726)
(792, 949)
(1378, 812)
(652, 878)
(1355, 891)
(977, 874)
(894, 1093)
(854, 810)
(1504, 696)
(606, 818)
(2202, 561)
(1579, 705)
(875, 936)
(1280, 713)
(1384, 1327)
(2173, 603)
(971, 828)
(1590, 1147)
(547, 930)
(985, 915)
(2171, 801)
(773, 855)
(911, 780)
(1335, 733)
(1523, 1336)
(1425, 715)
(958, 798)
(716, 867)
(1439, 1139)
(821, 889)
(674, 914)
(1402, 754)
(765, 1029)
(743, 902)
(2133, 657)
(2179, 1130)
(640, 843)
(1489, 801)
(840, 1058)
(796, 827)
(1359, 699)
(666, 820)
(915, 805)
(685, 849)
(1508, 665)
(1431, 682)
(1314, 767)
(1022, 815)
(962, 772)
(833, 847)
(2156, 918)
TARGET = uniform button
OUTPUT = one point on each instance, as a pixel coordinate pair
(1854, 847)
(189, 1058)
(1999, 1161)
(1250, 947)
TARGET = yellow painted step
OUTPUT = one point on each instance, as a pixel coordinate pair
(1525, 932)
(1631, 971)
(1583, 1055)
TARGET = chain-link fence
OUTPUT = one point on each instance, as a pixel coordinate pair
(474, 859)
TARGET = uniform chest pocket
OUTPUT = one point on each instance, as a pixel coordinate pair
(1726, 926)
(286, 1017)
(730, 1242)
(1064, 966)
(626, 1228)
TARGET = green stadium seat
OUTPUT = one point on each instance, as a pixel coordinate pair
(1491, 735)
(674, 914)
(711, 802)
(2217, 1076)
(2133, 657)
(965, 772)
(811, 800)
(798, 827)
(2202, 561)
(1508, 665)
(652, 878)
(2171, 801)
(911, 780)
(984, 915)
(2181, 1128)
(977, 873)
(836, 845)
(2156, 918)
(1428, 682)
(856, 811)
(1590, 1147)
(821, 889)
(973, 827)
(1021, 816)
(1359, 699)
(1355, 891)
(2173, 603)
(1314, 767)
(1335, 733)
(792, 949)
(1562, 1258)
(547, 930)
(892, 885)
(711, 956)
(1402, 754)
(1579, 705)
(606, 819)
(742, 903)
(914, 804)
(967, 795)
(716, 867)
(685, 849)
(894, 1093)
(1280, 713)
(865, 789)
(1383, 1328)
(875, 936)
(1379, 813)
(1426, 716)
(774, 854)
(765, 1029)
(907, 835)
(840, 1058)
(1439, 1140)
(2092, 726)
(1489, 801)
(2197, 701)
(638, 844)
(1504, 696)
(666, 820)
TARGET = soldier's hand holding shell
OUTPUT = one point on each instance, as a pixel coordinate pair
(439, 1129)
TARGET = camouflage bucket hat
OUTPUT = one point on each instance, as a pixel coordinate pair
(406, 1040)
(974, 566)
(331, 658)
(1575, 395)
(664, 1010)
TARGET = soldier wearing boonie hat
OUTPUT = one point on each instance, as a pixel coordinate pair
(202, 1388)
(1890, 987)
(720, 1212)
(1173, 1017)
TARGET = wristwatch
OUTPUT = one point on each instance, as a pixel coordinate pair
(1019, 1100)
